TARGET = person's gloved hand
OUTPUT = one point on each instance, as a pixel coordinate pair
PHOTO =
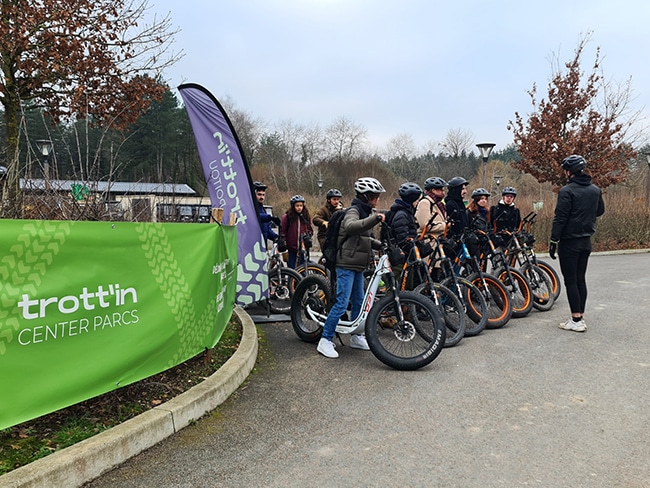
(552, 249)
(276, 220)
(307, 241)
(282, 245)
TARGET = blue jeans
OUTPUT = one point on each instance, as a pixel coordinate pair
(349, 288)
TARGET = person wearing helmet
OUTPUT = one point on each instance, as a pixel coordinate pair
(431, 211)
(265, 218)
(505, 215)
(578, 205)
(455, 205)
(478, 210)
(356, 244)
(401, 216)
(324, 214)
(294, 226)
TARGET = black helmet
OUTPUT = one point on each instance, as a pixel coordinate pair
(297, 198)
(509, 190)
(574, 164)
(457, 181)
(333, 193)
(480, 192)
(259, 186)
(434, 182)
(410, 192)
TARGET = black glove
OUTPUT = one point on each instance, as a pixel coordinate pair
(307, 241)
(276, 220)
(282, 246)
(552, 249)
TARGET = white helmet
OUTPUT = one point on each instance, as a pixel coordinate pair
(368, 185)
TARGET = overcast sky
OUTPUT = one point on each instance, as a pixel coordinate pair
(417, 67)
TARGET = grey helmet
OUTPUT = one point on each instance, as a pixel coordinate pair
(480, 192)
(434, 182)
(509, 190)
(297, 198)
(410, 192)
(457, 181)
(368, 185)
(333, 193)
(259, 186)
(574, 164)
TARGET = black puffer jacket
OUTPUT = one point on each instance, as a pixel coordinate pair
(456, 213)
(355, 237)
(403, 225)
(578, 204)
(504, 217)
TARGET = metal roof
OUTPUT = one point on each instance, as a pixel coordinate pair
(116, 187)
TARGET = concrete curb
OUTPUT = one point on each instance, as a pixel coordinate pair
(82, 462)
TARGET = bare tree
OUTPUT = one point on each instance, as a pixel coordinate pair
(458, 143)
(79, 58)
(344, 139)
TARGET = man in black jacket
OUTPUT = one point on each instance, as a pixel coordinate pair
(578, 204)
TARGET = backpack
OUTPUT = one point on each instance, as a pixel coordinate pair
(330, 245)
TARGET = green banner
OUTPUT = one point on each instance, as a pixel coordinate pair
(88, 307)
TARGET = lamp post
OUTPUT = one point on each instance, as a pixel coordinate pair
(485, 149)
(319, 182)
(647, 181)
(45, 147)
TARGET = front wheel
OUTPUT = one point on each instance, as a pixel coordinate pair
(496, 296)
(310, 305)
(519, 290)
(541, 285)
(474, 304)
(450, 307)
(312, 268)
(406, 331)
(282, 282)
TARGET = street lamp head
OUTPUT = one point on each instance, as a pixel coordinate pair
(485, 148)
(320, 183)
(45, 147)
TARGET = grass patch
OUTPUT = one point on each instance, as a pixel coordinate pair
(32, 440)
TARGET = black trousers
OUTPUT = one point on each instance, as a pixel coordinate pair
(574, 257)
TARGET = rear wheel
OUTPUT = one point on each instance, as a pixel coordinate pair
(312, 269)
(282, 282)
(407, 344)
(451, 308)
(499, 308)
(311, 302)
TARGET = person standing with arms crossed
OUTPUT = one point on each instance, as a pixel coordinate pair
(579, 203)
(324, 214)
(356, 244)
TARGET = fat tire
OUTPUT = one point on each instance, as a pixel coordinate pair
(312, 269)
(282, 283)
(521, 298)
(476, 309)
(451, 308)
(498, 301)
(542, 286)
(316, 292)
(553, 276)
(413, 344)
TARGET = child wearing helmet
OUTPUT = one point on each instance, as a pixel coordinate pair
(455, 205)
(431, 212)
(296, 225)
(505, 215)
(401, 216)
(324, 214)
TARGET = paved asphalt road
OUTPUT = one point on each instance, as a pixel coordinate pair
(528, 405)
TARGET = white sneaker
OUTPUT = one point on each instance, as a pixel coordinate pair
(358, 341)
(574, 326)
(327, 348)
